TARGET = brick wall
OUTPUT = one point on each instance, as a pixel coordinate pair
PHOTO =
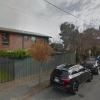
(16, 41)
(27, 44)
(39, 39)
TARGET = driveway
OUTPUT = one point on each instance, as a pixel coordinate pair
(88, 91)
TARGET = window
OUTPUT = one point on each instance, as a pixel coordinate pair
(26, 38)
(46, 40)
(33, 39)
(5, 39)
(61, 73)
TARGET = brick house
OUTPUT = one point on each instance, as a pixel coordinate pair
(11, 39)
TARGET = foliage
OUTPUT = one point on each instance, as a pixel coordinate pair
(70, 35)
(58, 47)
(81, 55)
(95, 51)
(15, 54)
(3, 53)
(89, 39)
(41, 52)
(84, 53)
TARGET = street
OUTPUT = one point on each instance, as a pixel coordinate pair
(87, 91)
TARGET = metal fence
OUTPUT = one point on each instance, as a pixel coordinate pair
(28, 67)
(19, 68)
(6, 70)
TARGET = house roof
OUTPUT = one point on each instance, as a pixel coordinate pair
(22, 32)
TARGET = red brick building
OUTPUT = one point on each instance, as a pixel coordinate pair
(11, 39)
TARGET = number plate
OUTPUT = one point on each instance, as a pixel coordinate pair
(56, 79)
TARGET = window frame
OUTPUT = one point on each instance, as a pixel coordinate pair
(46, 40)
(26, 39)
(34, 39)
(6, 41)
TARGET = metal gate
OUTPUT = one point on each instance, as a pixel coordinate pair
(6, 70)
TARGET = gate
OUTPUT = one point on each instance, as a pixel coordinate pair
(6, 70)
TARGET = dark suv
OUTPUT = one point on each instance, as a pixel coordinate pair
(69, 77)
(93, 65)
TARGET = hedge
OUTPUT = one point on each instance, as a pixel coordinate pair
(15, 54)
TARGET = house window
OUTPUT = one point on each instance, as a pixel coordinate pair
(26, 38)
(46, 40)
(33, 39)
(5, 39)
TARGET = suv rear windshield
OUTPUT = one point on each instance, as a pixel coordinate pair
(60, 73)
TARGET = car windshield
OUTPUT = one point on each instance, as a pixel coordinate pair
(59, 73)
(90, 62)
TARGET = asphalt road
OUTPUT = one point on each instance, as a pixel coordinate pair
(87, 91)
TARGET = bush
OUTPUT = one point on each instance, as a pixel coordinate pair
(15, 54)
(3, 53)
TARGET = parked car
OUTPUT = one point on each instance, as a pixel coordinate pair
(69, 77)
(98, 58)
(93, 65)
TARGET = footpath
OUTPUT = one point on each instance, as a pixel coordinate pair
(24, 88)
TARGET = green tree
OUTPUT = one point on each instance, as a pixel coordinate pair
(70, 35)
(58, 47)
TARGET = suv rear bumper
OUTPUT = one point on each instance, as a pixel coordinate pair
(60, 87)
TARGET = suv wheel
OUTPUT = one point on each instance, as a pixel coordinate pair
(75, 88)
(90, 77)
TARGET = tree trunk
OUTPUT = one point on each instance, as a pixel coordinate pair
(40, 73)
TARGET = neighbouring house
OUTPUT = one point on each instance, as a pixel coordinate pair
(11, 39)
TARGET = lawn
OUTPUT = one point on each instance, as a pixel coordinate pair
(4, 76)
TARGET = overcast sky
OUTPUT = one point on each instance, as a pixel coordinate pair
(39, 16)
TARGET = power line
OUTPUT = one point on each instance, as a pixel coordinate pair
(67, 12)
(50, 4)
(16, 9)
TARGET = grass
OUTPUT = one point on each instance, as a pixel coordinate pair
(4, 76)
(25, 80)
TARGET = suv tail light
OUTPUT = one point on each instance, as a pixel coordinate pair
(66, 80)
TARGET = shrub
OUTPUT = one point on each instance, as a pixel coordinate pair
(3, 53)
(15, 54)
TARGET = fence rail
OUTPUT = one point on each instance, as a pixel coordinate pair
(18, 68)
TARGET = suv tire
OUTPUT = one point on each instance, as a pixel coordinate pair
(98, 71)
(75, 88)
(90, 78)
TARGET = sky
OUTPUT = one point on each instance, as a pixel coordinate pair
(41, 17)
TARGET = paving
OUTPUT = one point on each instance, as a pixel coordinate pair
(18, 92)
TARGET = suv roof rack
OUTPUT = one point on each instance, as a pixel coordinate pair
(65, 66)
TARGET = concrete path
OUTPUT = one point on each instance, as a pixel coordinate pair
(19, 91)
